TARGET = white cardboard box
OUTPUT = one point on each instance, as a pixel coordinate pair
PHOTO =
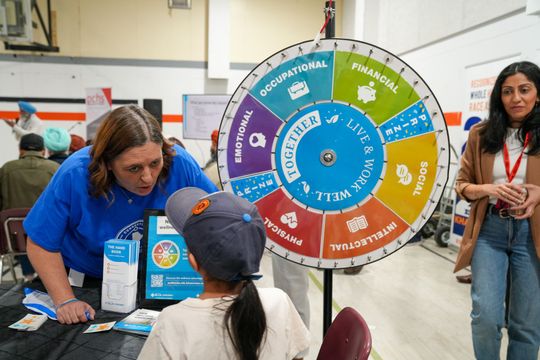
(120, 264)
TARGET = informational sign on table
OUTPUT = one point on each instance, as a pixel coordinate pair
(202, 114)
(342, 147)
(169, 276)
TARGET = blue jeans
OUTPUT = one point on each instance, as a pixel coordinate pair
(504, 247)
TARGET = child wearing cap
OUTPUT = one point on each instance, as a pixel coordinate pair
(231, 319)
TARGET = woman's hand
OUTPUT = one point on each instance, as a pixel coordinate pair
(512, 194)
(531, 201)
(52, 272)
(509, 193)
(74, 311)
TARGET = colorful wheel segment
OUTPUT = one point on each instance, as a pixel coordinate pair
(165, 254)
(342, 147)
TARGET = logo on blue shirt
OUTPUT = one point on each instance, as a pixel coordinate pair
(133, 231)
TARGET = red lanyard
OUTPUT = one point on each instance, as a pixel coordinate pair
(506, 157)
(511, 174)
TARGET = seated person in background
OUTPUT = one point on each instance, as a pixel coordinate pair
(211, 167)
(100, 193)
(57, 141)
(23, 180)
(27, 123)
(77, 143)
(231, 319)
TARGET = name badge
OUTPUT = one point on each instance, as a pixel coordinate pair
(75, 278)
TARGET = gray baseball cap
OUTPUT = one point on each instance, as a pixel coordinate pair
(223, 231)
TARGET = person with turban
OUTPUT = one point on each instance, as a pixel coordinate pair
(57, 142)
(77, 143)
(27, 123)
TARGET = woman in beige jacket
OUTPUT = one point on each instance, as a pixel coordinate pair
(500, 176)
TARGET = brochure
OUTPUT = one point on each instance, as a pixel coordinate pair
(94, 328)
(138, 322)
(30, 322)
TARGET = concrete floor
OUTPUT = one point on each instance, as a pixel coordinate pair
(411, 301)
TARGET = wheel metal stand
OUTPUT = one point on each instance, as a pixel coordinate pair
(327, 293)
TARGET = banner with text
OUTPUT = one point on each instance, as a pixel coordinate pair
(480, 80)
(98, 103)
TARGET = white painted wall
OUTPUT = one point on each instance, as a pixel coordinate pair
(353, 19)
(25, 79)
(443, 64)
(98, 31)
(399, 26)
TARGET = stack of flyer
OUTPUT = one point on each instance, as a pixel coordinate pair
(139, 322)
(120, 264)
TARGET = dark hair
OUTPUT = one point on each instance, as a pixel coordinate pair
(32, 142)
(176, 141)
(493, 131)
(77, 143)
(125, 127)
(245, 322)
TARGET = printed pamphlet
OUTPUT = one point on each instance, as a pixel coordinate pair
(138, 322)
(30, 322)
(94, 328)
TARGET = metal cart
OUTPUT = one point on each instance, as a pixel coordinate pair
(439, 223)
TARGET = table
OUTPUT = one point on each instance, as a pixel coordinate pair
(55, 341)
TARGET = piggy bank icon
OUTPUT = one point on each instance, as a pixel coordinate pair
(367, 93)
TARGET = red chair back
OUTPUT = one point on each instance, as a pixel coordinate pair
(347, 338)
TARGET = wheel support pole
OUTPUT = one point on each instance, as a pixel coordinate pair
(327, 293)
(327, 300)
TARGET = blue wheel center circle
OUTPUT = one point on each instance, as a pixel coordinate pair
(329, 156)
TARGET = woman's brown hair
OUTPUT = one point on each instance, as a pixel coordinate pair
(125, 127)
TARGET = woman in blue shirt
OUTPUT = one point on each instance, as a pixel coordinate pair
(100, 193)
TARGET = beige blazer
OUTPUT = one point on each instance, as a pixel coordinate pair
(477, 168)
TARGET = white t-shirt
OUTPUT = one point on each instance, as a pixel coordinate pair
(193, 329)
(515, 147)
(27, 125)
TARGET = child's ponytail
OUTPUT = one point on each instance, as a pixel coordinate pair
(245, 321)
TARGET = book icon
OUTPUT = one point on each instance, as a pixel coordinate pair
(357, 223)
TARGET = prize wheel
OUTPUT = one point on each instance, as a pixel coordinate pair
(342, 147)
